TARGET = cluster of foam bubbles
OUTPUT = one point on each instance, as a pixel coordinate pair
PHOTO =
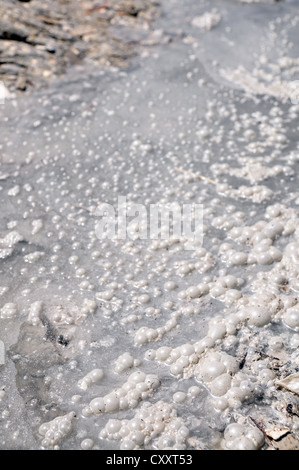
(94, 376)
(207, 21)
(125, 361)
(242, 437)
(146, 334)
(8, 242)
(56, 430)
(139, 386)
(35, 311)
(156, 423)
(9, 310)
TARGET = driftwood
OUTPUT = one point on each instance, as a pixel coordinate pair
(39, 39)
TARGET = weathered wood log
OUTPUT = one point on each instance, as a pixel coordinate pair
(49, 36)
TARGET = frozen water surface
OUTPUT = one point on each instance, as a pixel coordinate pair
(135, 343)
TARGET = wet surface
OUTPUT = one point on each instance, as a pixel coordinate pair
(208, 115)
